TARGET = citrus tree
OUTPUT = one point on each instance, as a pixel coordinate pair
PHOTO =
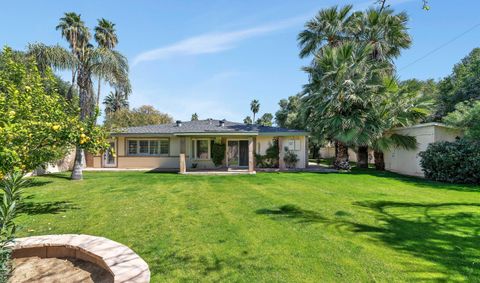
(37, 125)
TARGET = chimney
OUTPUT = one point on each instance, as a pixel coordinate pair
(179, 123)
(221, 123)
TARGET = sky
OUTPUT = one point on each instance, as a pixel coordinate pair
(213, 57)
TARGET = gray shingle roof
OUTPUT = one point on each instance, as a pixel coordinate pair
(205, 127)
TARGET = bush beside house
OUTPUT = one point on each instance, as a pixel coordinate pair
(453, 162)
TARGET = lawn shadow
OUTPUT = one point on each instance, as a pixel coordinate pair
(437, 232)
(52, 207)
(293, 212)
(447, 234)
(415, 181)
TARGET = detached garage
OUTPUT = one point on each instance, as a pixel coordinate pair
(407, 161)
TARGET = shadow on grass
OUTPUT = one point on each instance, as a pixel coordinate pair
(290, 211)
(447, 234)
(444, 233)
(215, 267)
(54, 207)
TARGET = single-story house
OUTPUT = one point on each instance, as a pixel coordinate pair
(407, 162)
(166, 146)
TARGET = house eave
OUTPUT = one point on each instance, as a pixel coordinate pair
(284, 134)
(217, 134)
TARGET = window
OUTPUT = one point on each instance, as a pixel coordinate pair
(148, 147)
(201, 149)
(143, 147)
(132, 147)
(293, 144)
(164, 147)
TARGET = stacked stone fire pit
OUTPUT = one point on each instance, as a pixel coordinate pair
(121, 263)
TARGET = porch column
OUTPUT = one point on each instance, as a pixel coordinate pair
(183, 165)
(307, 152)
(251, 161)
(281, 152)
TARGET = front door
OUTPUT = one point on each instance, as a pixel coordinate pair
(109, 159)
(237, 153)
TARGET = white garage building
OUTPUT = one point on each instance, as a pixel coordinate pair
(407, 161)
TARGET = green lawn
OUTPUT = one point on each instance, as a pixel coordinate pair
(275, 227)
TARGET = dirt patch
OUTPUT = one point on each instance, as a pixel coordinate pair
(35, 269)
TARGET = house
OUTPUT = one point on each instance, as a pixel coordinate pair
(407, 162)
(163, 146)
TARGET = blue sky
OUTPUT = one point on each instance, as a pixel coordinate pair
(214, 57)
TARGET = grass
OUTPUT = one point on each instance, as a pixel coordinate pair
(271, 227)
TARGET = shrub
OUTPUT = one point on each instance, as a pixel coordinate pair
(454, 162)
(290, 158)
(218, 153)
(11, 187)
(270, 159)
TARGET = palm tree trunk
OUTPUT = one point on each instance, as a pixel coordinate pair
(341, 156)
(98, 92)
(379, 160)
(77, 172)
(86, 97)
(362, 157)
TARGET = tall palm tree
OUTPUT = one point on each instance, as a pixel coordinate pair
(115, 101)
(338, 96)
(254, 107)
(74, 31)
(86, 61)
(385, 31)
(106, 37)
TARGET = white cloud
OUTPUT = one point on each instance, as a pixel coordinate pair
(212, 42)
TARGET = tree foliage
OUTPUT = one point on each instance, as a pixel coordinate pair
(194, 117)
(37, 125)
(141, 116)
(265, 120)
(115, 101)
(466, 117)
(254, 107)
(289, 114)
(462, 85)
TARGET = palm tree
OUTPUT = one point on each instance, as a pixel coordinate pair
(397, 109)
(337, 98)
(254, 107)
(115, 101)
(384, 30)
(85, 61)
(74, 31)
(329, 27)
(106, 37)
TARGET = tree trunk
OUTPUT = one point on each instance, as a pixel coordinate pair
(379, 161)
(362, 157)
(98, 92)
(87, 106)
(77, 172)
(341, 156)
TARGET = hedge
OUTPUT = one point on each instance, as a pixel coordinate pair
(453, 162)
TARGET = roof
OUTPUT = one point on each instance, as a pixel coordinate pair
(208, 127)
(431, 124)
